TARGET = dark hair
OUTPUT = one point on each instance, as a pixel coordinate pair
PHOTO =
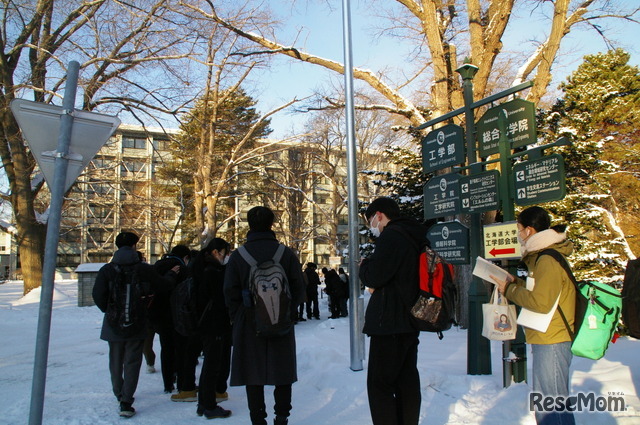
(539, 219)
(312, 265)
(217, 244)
(181, 251)
(199, 262)
(385, 205)
(126, 239)
(260, 219)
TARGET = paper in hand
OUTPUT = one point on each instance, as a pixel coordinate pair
(485, 269)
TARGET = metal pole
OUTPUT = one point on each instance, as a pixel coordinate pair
(478, 347)
(51, 247)
(356, 302)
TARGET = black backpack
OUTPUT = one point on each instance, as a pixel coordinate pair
(184, 309)
(631, 298)
(270, 295)
(434, 309)
(128, 300)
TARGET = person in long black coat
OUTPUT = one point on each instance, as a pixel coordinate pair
(313, 281)
(259, 361)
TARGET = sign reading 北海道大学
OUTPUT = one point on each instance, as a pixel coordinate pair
(442, 148)
(520, 126)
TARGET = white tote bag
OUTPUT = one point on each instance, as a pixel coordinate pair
(499, 318)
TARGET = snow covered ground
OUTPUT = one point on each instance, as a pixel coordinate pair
(328, 392)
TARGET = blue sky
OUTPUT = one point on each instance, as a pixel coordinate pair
(320, 25)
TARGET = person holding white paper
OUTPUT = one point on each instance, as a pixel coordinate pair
(547, 287)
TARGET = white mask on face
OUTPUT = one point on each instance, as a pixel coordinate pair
(374, 229)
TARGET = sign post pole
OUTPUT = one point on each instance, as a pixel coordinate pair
(51, 248)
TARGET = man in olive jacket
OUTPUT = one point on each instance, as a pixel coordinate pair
(391, 273)
(126, 345)
(256, 360)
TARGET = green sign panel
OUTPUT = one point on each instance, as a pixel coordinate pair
(479, 192)
(521, 126)
(443, 148)
(451, 241)
(442, 196)
(539, 180)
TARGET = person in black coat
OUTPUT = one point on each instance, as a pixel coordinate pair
(126, 345)
(258, 361)
(214, 327)
(313, 281)
(160, 314)
(333, 288)
(391, 273)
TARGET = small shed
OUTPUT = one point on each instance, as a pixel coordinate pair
(87, 273)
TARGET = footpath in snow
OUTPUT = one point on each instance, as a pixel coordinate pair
(327, 392)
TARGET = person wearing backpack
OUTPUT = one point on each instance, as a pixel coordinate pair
(123, 291)
(160, 316)
(551, 350)
(261, 357)
(391, 274)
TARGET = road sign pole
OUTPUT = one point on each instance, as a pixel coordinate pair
(513, 367)
(478, 347)
(51, 246)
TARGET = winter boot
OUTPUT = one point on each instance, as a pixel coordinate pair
(126, 409)
(217, 412)
(222, 397)
(189, 396)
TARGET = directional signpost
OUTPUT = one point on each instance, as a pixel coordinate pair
(443, 148)
(539, 180)
(451, 241)
(479, 192)
(442, 196)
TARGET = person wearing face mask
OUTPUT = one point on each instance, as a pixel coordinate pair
(214, 327)
(551, 350)
(391, 273)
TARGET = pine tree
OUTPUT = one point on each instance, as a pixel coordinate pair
(599, 112)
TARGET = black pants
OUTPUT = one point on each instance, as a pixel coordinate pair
(257, 408)
(167, 356)
(225, 365)
(125, 359)
(393, 382)
(211, 367)
(187, 351)
(312, 307)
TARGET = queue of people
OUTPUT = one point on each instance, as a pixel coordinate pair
(136, 297)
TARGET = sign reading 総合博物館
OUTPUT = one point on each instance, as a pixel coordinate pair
(520, 126)
(442, 196)
(451, 241)
(501, 241)
(442, 148)
(539, 180)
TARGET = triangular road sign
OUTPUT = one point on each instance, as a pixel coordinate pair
(40, 125)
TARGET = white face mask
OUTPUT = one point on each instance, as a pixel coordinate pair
(374, 229)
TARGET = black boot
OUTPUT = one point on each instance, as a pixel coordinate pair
(279, 420)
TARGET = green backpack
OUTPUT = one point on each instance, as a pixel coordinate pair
(598, 308)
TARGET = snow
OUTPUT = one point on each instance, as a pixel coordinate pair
(327, 392)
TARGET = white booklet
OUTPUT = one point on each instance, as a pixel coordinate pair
(485, 269)
(538, 321)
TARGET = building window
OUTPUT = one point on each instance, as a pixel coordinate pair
(162, 145)
(134, 143)
(132, 166)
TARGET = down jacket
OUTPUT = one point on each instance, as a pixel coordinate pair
(551, 280)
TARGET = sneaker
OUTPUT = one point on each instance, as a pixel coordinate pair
(151, 368)
(222, 397)
(126, 410)
(189, 396)
(217, 412)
